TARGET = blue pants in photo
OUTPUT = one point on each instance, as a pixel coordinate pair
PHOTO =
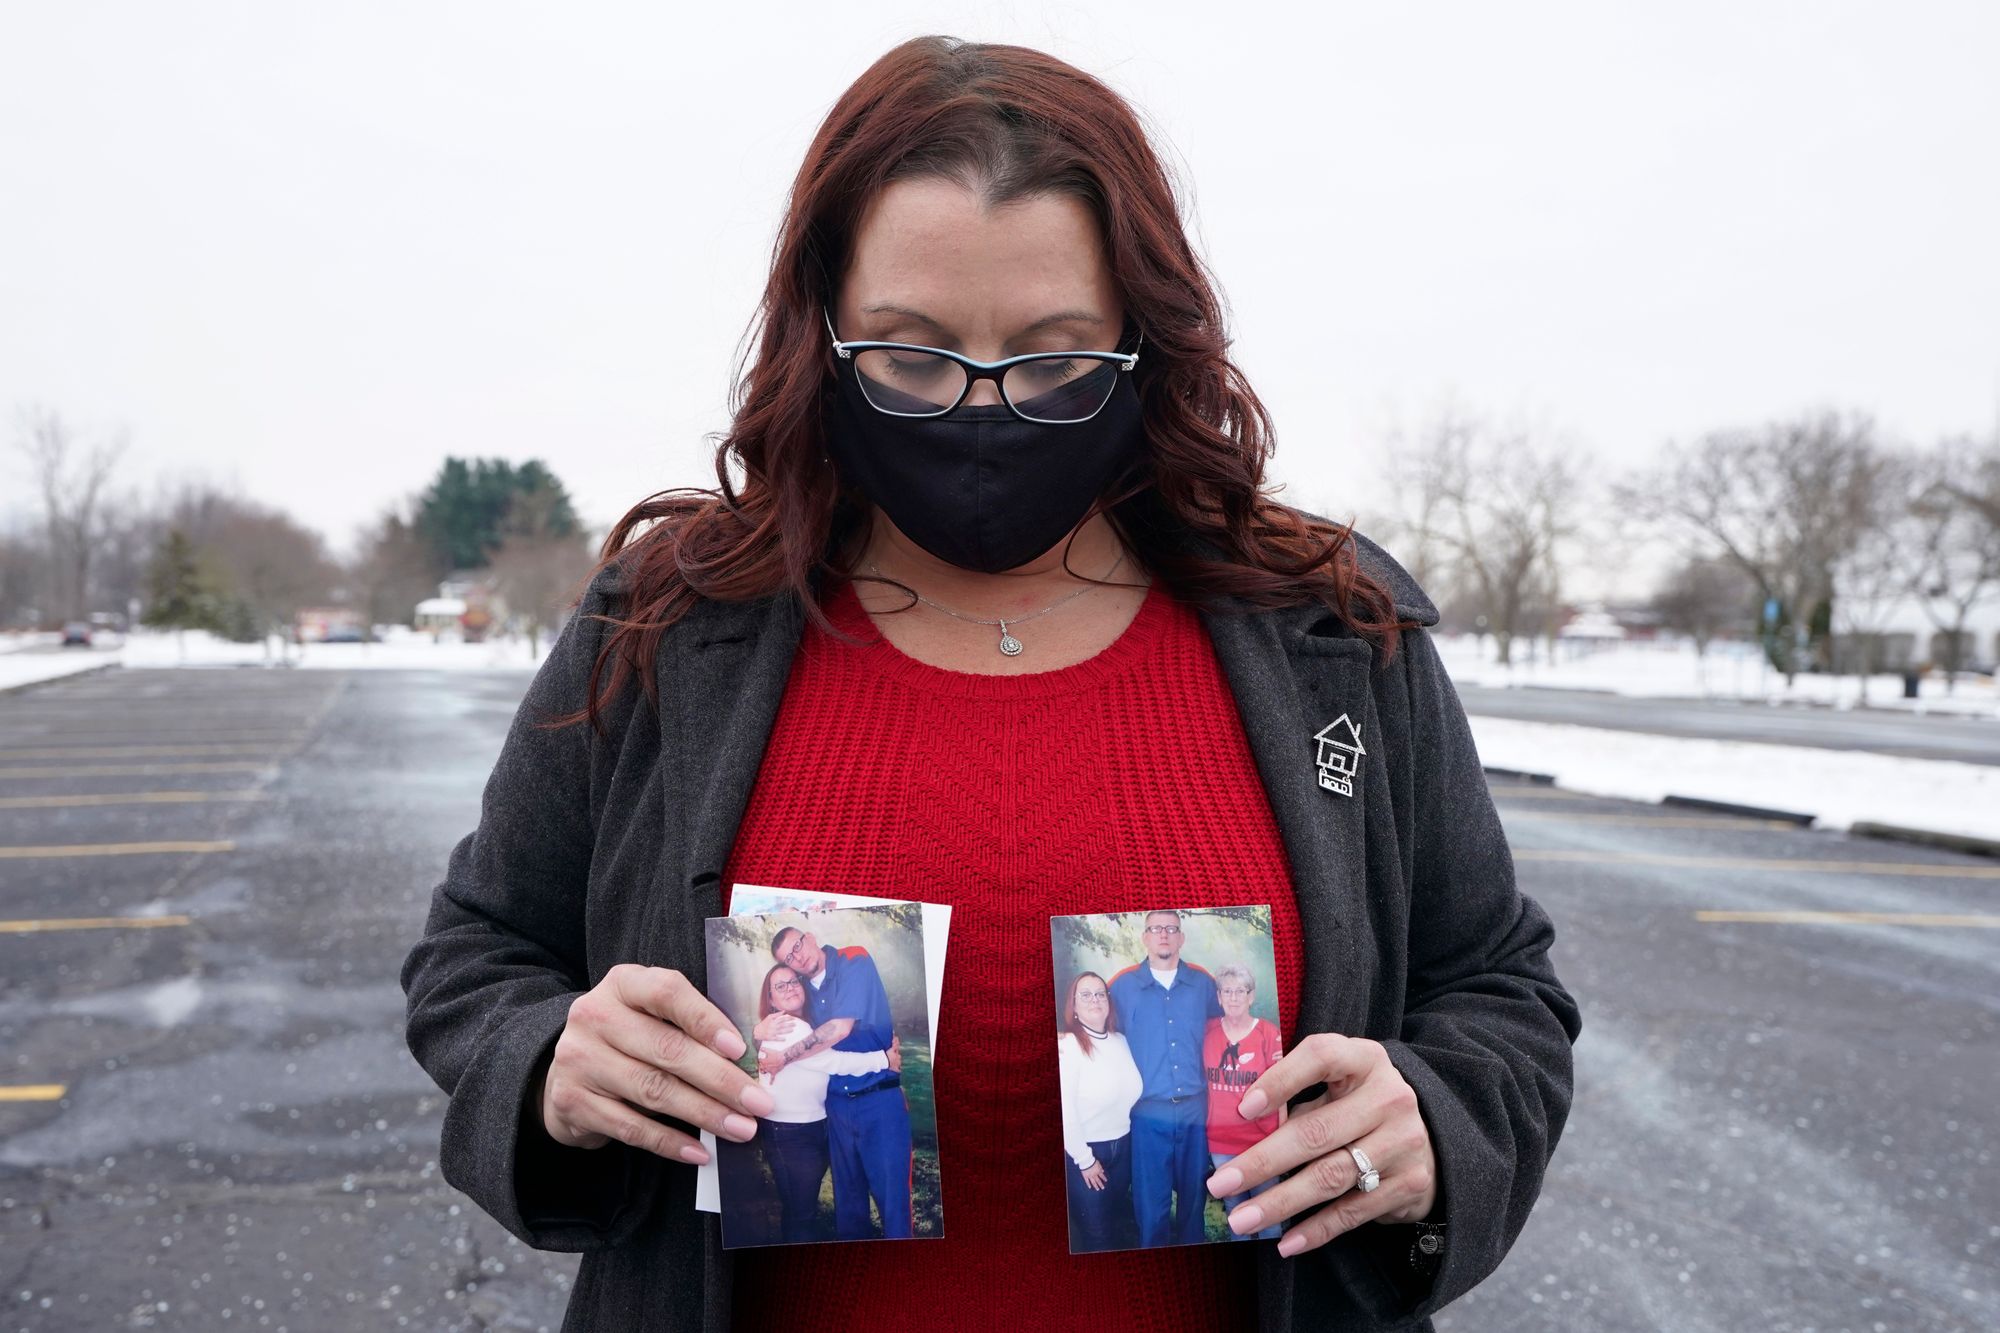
(1102, 1219)
(1170, 1163)
(869, 1137)
(798, 1156)
(1231, 1202)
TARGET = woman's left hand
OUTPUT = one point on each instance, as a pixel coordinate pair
(1366, 1105)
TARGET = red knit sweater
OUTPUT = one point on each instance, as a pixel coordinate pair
(1121, 783)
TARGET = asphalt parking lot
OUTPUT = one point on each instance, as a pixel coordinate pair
(209, 1119)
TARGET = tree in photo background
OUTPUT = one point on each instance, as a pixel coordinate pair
(1108, 942)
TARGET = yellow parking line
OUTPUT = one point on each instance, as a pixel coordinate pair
(89, 923)
(131, 798)
(1855, 919)
(32, 1092)
(1753, 863)
(136, 751)
(134, 770)
(1653, 821)
(113, 849)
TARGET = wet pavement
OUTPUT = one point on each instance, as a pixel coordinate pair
(244, 1140)
(1777, 1126)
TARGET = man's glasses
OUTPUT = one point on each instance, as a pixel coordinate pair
(1163, 930)
(908, 380)
(794, 953)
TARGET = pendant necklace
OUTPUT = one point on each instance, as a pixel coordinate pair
(1009, 645)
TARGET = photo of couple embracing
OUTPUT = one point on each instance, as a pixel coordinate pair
(833, 1007)
(1155, 1052)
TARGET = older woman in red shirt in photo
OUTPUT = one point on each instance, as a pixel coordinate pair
(1238, 1047)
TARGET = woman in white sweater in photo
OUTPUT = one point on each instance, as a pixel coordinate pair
(793, 1134)
(1100, 1085)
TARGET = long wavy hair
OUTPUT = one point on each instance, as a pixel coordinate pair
(1007, 123)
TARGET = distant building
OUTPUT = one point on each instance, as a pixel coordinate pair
(467, 606)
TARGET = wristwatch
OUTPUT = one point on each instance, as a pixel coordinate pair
(1427, 1250)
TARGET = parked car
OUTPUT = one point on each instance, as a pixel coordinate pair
(76, 634)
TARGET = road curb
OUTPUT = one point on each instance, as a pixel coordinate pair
(1732, 808)
(67, 675)
(1539, 779)
(1956, 842)
(1964, 843)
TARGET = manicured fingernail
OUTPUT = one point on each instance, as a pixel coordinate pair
(739, 1127)
(1226, 1181)
(1247, 1218)
(730, 1042)
(1253, 1104)
(695, 1153)
(757, 1101)
(1291, 1245)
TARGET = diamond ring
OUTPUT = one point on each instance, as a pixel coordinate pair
(1367, 1177)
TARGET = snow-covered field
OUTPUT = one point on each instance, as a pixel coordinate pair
(1664, 669)
(197, 648)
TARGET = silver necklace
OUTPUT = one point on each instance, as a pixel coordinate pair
(1009, 645)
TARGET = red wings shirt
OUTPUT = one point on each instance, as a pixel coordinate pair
(1231, 1068)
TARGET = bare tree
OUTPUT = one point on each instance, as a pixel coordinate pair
(1703, 597)
(1782, 502)
(393, 569)
(274, 567)
(71, 478)
(1496, 505)
(537, 565)
(1871, 575)
(1954, 559)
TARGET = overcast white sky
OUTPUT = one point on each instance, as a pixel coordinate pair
(314, 248)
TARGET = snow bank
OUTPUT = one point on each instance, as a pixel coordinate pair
(1839, 786)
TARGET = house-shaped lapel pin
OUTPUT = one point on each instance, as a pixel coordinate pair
(1339, 754)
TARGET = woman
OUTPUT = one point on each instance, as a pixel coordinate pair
(1236, 1049)
(794, 1130)
(1040, 662)
(1100, 1085)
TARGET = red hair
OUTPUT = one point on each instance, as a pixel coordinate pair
(1074, 1025)
(1008, 123)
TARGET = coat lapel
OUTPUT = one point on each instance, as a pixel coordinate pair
(1289, 684)
(721, 683)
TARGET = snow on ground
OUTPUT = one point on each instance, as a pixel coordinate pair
(401, 651)
(1838, 786)
(198, 648)
(1669, 669)
(28, 668)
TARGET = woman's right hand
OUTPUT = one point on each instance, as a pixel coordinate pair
(644, 1037)
(1095, 1176)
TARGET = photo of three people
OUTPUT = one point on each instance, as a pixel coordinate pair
(1155, 1052)
(832, 1006)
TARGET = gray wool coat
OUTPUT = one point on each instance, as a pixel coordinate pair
(591, 852)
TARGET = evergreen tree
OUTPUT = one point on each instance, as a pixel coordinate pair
(181, 592)
(463, 513)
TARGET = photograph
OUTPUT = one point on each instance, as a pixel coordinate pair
(832, 1008)
(1164, 1019)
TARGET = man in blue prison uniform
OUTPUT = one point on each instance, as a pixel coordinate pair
(867, 1117)
(1163, 1006)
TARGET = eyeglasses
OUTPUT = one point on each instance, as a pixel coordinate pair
(797, 950)
(910, 380)
(787, 985)
(1233, 991)
(1163, 930)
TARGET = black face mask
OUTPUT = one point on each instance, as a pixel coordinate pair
(981, 488)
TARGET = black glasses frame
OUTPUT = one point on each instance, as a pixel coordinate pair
(976, 371)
